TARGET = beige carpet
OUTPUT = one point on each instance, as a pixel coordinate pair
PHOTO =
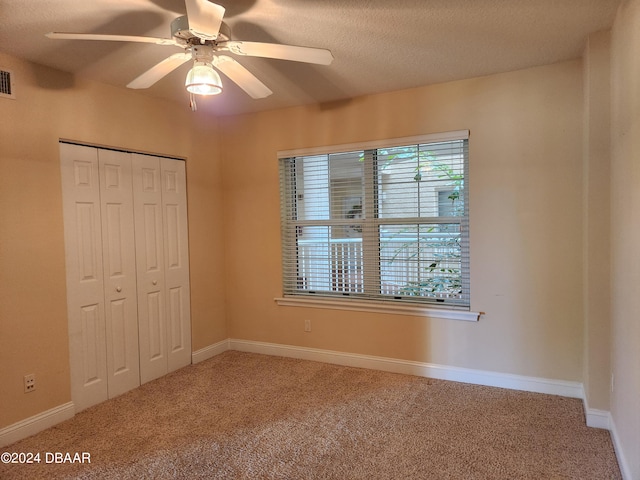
(247, 416)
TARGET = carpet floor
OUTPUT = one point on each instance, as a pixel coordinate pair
(249, 416)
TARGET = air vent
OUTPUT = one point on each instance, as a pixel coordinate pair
(6, 84)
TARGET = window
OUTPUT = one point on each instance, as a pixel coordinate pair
(385, 221)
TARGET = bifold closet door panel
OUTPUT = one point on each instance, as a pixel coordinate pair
(85, 283)
(119, 266)
(176, 247)
(147, 199)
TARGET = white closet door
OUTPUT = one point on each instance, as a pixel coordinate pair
(176, 248)
(147, 195)
(119, 265)
(127, 260)
(85, 289)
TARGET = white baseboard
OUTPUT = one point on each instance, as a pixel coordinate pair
(210, 351)
(442, 372)
(597, 418)
(37, 423)
(625, 469)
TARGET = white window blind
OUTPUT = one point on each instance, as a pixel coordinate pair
(378, 222)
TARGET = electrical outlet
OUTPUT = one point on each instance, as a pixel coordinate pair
(29, 383)
(307, 325)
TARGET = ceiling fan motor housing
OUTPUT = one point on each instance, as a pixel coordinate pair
(202, 53)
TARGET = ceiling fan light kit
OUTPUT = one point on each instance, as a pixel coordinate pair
(203, 36)
(202, 79)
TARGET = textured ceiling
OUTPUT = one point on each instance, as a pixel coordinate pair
(378, 45)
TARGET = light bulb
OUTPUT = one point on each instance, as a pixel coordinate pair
(202, 79)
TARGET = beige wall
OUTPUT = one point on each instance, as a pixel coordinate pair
(625, 232)
(596, 214)
(33, 320)
(526, 222)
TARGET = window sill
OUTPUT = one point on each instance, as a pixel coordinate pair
(378, 307)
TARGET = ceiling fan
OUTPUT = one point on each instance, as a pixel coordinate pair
(205, 39)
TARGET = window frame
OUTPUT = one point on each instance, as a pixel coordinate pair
(405, 305)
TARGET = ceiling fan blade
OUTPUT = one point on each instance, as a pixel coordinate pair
(204, 18)
(319, 56)
(242, 77)
(158, 71)
(111, 38)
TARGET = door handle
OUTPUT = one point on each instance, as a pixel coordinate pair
(118, 289)
(155, 282)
